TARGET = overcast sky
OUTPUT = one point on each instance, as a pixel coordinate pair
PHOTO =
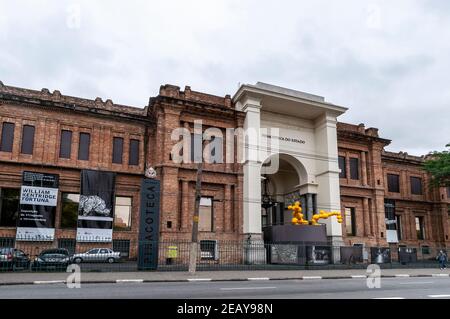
(387, 61)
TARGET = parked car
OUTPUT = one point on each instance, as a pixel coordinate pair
(56, 258)
(12, 259)
(97, 255)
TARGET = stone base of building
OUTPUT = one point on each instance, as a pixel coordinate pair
(295, 234)
(336, 242)
(255, 251)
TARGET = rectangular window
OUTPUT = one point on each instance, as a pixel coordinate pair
(65, 148)
(209, 250)
(448, 192)
(122, 213)
(264, 218)
(425, 250)
(350, 225)
(117, 150)
(69, 210)
(399, 227)
(393, 182)
(7, 242)
(67, 243)
(205, 222)
(354, 168)
(9, 206)
(389, 214)
(196, 148)
(7, 140)
(342, 167)
(27, 139)
(83, 146)
(122, 246)
(416, 185)
(216, 150)
(133, 158)
(420, 228)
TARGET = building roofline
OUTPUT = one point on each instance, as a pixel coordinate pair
(56, 96)
(403, 156)
(285, 93)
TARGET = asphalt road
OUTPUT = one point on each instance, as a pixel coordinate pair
(391, 288)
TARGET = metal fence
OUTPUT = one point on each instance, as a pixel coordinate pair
(122, 255)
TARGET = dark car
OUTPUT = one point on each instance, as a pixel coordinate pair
(12, 259)
(57, 258)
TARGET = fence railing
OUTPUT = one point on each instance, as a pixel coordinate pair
(123, 255)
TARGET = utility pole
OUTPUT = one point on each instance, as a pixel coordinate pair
(194, 242)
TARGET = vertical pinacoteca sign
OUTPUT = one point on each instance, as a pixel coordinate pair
(149, 224)
(96, 207)
(38, 200)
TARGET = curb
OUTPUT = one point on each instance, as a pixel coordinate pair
(202, 280)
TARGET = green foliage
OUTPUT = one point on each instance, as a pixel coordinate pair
(438, 165)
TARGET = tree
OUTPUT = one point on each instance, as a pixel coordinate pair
(438, 165)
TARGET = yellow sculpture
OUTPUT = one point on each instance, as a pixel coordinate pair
(297, 216)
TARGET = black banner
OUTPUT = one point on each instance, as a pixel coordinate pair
(96, 207)
(149, 225)
(38, 200)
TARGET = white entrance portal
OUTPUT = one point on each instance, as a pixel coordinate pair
(281, 188)
(296, 132)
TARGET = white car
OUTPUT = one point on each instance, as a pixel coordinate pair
(97, 255)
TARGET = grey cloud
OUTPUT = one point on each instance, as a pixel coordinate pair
(393, 74)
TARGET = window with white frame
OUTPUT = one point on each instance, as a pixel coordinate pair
(205, 222)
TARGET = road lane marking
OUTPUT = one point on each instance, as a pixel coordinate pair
(311, 277)
(440, 275)
(358, 276)
(123, 281)
(439, 296)
(260, 278)
(389, 298)
(247, 288)
(401, 275)
(199, 279)
(43, 282)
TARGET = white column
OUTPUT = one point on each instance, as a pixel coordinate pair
(327, 172)
(252, 168)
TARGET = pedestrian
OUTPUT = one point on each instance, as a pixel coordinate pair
(442, 259)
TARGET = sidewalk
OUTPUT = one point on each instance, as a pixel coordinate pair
(24, 278)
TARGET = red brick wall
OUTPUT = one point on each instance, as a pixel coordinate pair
(173, 108)
(102, 120)
(223, 182)
(357, 141)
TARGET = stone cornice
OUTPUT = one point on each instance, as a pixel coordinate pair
(197, 109)
(355, 136)
(55, 100)
(402, 157)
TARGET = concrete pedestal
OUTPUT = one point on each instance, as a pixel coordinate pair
(254, 250)
(336, 242)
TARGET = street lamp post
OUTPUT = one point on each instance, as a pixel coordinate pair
(266, 200)
(194, 242)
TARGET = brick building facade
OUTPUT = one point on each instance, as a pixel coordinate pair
(52, 115)
(221, 208)
(87, 124)
(370, 178)
(373, 181)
